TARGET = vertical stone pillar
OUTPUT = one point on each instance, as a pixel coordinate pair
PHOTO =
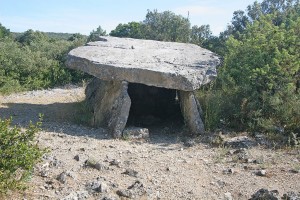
(191, 112)
(109, 103)
(120, 111)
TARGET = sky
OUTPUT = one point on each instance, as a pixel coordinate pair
(83, 16)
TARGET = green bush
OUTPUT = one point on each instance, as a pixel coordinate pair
(35, 61)
(18, 154)
(258, 85)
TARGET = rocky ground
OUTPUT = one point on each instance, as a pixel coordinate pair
(86, 163)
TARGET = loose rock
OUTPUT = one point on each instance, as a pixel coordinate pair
(78, 195)
(62, 177)
(295, 171)
(136, 133)
(135, 190)
(264, 194)
(228, 171)
(228, 196)
(115, 162)
(100, 166)
(291, 196)
(131, 172)
(124, 193)
(261, 173)
(76, 157)
(240, 142)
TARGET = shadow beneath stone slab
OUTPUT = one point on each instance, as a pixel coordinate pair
(57, 117)
(61, 118)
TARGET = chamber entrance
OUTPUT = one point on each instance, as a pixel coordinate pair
(152, 106)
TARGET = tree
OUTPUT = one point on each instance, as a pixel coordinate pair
(166, 26)
(257, 87)
(200, 34)
(76, 37)
(30, 37)
(129, 30)
(95, 34)
(279, 8)
(260, 76)
(4, 32)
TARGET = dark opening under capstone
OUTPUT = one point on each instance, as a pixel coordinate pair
(153, 105)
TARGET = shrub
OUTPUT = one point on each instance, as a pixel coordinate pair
(18, 154)
(258, 86)
(35, 61)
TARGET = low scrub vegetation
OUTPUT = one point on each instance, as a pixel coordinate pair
(33, 60)
(258, 86)
(18, 154)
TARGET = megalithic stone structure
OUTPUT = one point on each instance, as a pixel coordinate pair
(117, 62)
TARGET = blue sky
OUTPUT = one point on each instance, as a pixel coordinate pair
(82, 16)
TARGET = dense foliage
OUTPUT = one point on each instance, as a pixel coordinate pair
(95, 34)
(18, 154)
(258, 85)
(33, 60)
(164, 26)
(131, 30)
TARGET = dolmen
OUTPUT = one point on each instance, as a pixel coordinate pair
(133, 76)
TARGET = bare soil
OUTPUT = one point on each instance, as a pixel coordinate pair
(169, 165)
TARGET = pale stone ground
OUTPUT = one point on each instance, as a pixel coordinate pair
(166, 168)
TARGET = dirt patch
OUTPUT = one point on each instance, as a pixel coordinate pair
(85, 163)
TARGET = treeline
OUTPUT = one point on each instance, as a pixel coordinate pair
(164, 26)
(34, 60)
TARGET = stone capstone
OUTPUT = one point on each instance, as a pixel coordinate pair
(170, 65)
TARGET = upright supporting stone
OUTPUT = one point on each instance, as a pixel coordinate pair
(191, 112)
(109, 103)
(120, 111)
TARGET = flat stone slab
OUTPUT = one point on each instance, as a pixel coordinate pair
(161, 64)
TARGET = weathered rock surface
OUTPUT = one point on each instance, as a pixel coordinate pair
(191, 111)
(162, 64)
(110, 104)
